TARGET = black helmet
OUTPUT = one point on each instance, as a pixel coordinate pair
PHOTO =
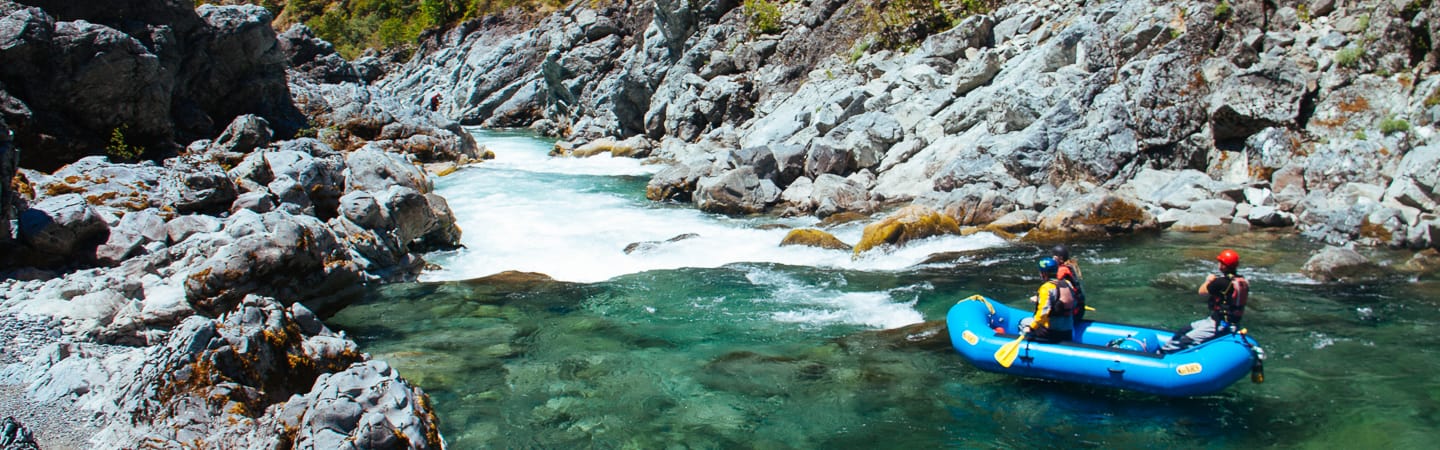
(1061, 252)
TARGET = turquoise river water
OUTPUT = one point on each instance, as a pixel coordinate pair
(726, 340)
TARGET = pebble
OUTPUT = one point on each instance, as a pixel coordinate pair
(57, 424)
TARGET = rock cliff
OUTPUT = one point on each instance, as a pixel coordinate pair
(1063, 117)
(187, 186)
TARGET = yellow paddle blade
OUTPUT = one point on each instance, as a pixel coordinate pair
(1007, 353)
(1088, 308)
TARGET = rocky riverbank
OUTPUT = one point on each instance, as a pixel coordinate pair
(1062, 119)
(161, 287)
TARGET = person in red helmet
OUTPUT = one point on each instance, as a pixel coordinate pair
(1227, 293)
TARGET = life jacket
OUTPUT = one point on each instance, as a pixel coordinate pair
(1067, 273)
(1229, 304)
(1056, 298)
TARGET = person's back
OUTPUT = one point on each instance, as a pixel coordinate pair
(1054, 301)
(1069, 271)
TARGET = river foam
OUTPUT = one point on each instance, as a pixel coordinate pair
(573, 218)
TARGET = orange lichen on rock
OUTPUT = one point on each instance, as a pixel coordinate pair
(908, 224)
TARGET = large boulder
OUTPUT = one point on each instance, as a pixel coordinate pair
(314, 58)
(274, 254)
(810, 237)
(61, 227)
(1339, 264)
(1095, 214)
(910, 223)
(738, 191)
(367, 405)
(133, 78)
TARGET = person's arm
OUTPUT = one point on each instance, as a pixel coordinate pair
(1204, 290)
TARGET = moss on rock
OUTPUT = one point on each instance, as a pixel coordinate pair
(908, 224)
(811, 237)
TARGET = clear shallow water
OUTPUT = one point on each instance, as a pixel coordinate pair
(728, 341)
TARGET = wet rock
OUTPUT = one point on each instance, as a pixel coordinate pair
(649, 246)
(737, 191)
(810, 237)
(1016, 221)
(676, 182)
(908, 224)
(1339, 264)
(931, 335)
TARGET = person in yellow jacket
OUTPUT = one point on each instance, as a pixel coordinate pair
(1054, 306)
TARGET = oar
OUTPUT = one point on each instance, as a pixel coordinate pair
(1007, 353)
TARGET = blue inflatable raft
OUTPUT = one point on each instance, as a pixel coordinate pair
(1103, 354)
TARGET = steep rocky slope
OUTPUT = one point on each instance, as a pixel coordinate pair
(1060, 117)
(169, 298)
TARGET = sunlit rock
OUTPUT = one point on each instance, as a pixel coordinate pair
(811, 237)
(908, 224)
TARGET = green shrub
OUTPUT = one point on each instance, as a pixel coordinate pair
(1349, 57)
(1391, 125)
(119, 148)
(902, 23)
(1359, 135)
(1223, 10)
(764, 16)
(1434, 98)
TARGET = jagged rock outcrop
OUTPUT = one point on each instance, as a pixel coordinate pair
(154, 74)
(260, 375)
(1291, 115)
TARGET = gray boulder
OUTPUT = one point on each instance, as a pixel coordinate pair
(312, 57)
(155, 72)
(193, 184)
(1098, 213)
(131, 235)
(274, 254)
(245, 134)
(1339, 264)
(737, 191)
(61, 227)
(371, 169)
(179, 229)
(367, 405)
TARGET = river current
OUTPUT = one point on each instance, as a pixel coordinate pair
(708, 334)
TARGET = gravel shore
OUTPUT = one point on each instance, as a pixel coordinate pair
(57, 424)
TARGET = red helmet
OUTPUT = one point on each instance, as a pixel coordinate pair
(1229, 258)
